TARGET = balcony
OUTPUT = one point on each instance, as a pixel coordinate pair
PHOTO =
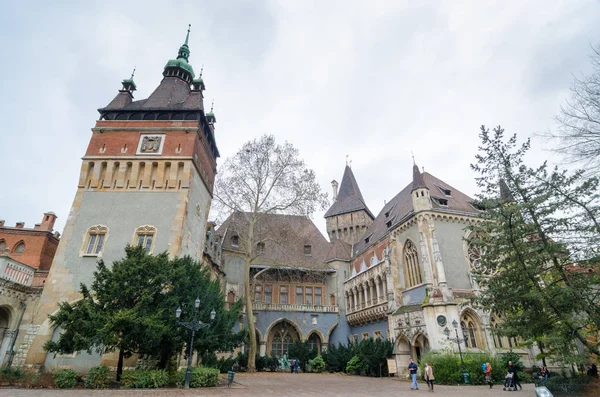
(289, 307)
(376, 311)
(16, 272)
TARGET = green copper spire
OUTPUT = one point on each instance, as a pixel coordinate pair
(210, 116)
(175, 67)
(184, 50)
(128, 84)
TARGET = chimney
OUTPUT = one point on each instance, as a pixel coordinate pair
(1, 222)
(334, 185)
(48, 221)
(20, 225)
(37, 226)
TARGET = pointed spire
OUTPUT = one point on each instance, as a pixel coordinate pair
(187, 37)
(198, 83)
(210, 116)
(418, 181)
(129, 84)
(180, 67)
(349, 197)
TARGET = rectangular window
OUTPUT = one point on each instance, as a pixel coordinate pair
(318, 301)
(268, 294)
(299, 300)
(307, 250)
(377, 335)
(145, 240)
(91, 244)
(365, 335)
(260, 248)
(235, 241)
(283, 295)
(309, 295)
(258, 293)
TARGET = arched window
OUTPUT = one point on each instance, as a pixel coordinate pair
(2, 246)
(314, 342)
(501, 342)
(283, 335)
(20, 247)
(94, 241)
(472, 331)
(411, 265)
(145, 236)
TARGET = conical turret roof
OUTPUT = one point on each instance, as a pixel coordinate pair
(349, 198)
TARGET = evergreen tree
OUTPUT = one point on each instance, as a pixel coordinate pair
(130, 307)
(543, 222)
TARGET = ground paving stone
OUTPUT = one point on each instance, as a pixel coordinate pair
(283, 384)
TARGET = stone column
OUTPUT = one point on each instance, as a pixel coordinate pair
(365, 288)
(377, 282)
(262, 349)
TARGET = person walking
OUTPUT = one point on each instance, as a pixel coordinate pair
(412, 368)
(515, 379)
(545, 373)
(429, 378)
(488, 375)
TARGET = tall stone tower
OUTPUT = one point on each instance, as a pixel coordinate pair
(348, 217)
(147, 179)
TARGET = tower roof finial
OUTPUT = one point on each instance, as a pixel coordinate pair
(413, 157)
(187, 37)
(212, 105)
(133, 73)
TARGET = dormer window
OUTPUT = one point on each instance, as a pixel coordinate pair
(368, 238)
(445, 191)
(441, 201)
(235, 241)
(477, 206)
(308, 250)
(388, 213)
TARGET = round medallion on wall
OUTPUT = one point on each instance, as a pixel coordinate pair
(441, 320)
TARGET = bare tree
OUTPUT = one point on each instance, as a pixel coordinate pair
(263, 178)
(578, 133)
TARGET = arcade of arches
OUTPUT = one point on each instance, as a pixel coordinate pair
(283, 335)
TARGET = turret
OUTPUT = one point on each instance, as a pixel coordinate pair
(420, 191)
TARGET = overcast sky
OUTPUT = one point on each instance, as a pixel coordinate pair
(374, 80)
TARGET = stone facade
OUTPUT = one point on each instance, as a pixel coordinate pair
(146, 178)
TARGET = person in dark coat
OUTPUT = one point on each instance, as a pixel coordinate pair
(515, 380)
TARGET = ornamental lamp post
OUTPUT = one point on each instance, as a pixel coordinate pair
(194, 325)
(458, 340)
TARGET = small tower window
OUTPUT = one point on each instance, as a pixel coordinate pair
(308, 250)
(145, 237)
(235, 241)
(260, 248)
(20, 248)
(96, 236)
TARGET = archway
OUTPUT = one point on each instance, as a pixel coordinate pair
(5, 333)
(315, 341)
(281, 337)
(402, 350)
(420, 346)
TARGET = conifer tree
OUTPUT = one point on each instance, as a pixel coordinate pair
(539, 241)
(130, 308)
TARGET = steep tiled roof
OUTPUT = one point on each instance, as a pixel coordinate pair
(339, 250)
(171, 94)
(400, 208)
(349, 198)
(284, 237)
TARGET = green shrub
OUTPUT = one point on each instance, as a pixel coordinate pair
(144, 379)
(98, 378)
(448, 369)
(242, 360)
(65, 378)
(204, 377)
(317, 364)
(260, 363)
(354, 365)
(301, 351)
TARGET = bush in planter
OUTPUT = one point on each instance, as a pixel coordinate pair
(98, 378)
(317, 364)
(65, 378)
(204, 377)
(144, 379)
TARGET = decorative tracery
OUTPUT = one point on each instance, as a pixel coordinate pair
(411, 262)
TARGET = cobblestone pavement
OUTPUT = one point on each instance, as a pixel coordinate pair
(279, 384)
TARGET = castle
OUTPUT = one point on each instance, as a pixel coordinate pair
(147, 179)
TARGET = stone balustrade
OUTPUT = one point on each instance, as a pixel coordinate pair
(290, 307)
(16, 272)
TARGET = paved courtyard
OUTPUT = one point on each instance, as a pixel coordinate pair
(283, 384)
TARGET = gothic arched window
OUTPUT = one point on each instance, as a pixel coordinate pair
(472, 331)
(2, 246)
(314, 342)
(411, 265)
(283, 335)
(20, 247)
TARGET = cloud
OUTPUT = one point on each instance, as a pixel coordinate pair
(371, 80)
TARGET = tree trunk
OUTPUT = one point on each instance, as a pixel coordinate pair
(120, 365)
(248, 298)
(541, 347)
